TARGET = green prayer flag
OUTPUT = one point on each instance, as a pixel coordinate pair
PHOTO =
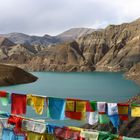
(114, 136)
(104, 136)
(103, 119)
(93, 105)
(107, 136)
(4, 101)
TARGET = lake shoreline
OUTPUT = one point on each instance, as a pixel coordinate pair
(132, 74)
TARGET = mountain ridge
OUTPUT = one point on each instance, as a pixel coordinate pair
(45, 40)
(115, 48)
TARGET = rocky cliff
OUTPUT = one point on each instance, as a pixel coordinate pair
(134, 73)
(115, 48)
(10, 75)
(63, 57)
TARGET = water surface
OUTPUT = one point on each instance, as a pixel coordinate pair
(100, 86)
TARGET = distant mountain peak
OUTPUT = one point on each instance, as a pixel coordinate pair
(74, 33)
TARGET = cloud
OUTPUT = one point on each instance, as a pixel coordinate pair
(54, 16)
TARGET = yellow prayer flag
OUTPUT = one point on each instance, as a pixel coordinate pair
(70, 105)
(83, 118)
(80, 106)
(36, 102)
(135, 111)
(29, 99)
(50, 137)
(123, 110)
(35, 136)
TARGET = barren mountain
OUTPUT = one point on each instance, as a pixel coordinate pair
(20, 38)
(17, 53)
(69, 35)
(115, 48)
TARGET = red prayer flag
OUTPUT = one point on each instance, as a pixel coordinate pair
(66, 133)
(123, 117)
(88, 107)
(18, 105)
(74, 115)
(60, 132)
(17, 122)
(3, 94)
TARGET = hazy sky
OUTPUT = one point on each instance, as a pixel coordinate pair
(54, 16)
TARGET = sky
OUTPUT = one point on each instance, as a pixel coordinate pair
(39, 17)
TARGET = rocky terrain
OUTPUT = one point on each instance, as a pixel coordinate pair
(10, 75)
(134, 73)
(115, 48)
(112, 49)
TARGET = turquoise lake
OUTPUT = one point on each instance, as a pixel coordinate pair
(100, 86)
